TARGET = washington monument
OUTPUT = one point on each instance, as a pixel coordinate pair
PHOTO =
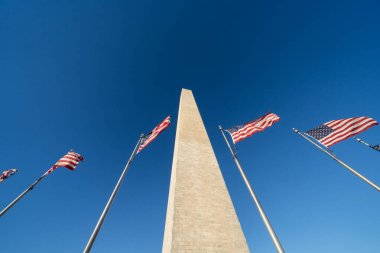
(200, 214)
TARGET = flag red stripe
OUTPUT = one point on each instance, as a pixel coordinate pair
(254, 123)
(72, 157)
(255, 130)
(254, 126)
(63, 159)
(69, 167)
(353, 133)
(349, 133)
(152, 137)
(64, 163)
(344, 122)
(248, 128)
(343, 129)
(70, 161)
(155, 132)
(343, 126)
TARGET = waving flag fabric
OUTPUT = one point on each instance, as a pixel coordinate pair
(336, 131)
(70, 161)
(6, 174)
(155, 132)
(241, 132)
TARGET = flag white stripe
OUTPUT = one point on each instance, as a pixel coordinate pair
(334, 125)
(349, 133)
(344, 128)
(70, 161)
(251, 133)
(253, 130)
(253, 126)
(255, 123)
(155, 132)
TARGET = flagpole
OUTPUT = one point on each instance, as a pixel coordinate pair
(264, 217)
(108, 205)
(365, 143)
(339, 161)
(22, 194)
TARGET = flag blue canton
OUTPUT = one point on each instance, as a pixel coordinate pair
(145, 138)
(377, 147)
(320, 132)
(234, 129)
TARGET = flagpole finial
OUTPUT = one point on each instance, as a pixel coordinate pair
(220, 127)
(295, 130)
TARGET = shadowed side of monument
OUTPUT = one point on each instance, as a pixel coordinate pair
(200, 214)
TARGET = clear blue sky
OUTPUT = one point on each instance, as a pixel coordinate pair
(93, 75)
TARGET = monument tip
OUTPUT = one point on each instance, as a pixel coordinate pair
(186, 90)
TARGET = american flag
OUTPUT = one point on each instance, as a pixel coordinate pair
(376, 147)
(6, 174)
(70, 161)
(241, 132)
(155, 132)
(335, 131)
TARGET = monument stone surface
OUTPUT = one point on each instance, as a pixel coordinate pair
(200, 215)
